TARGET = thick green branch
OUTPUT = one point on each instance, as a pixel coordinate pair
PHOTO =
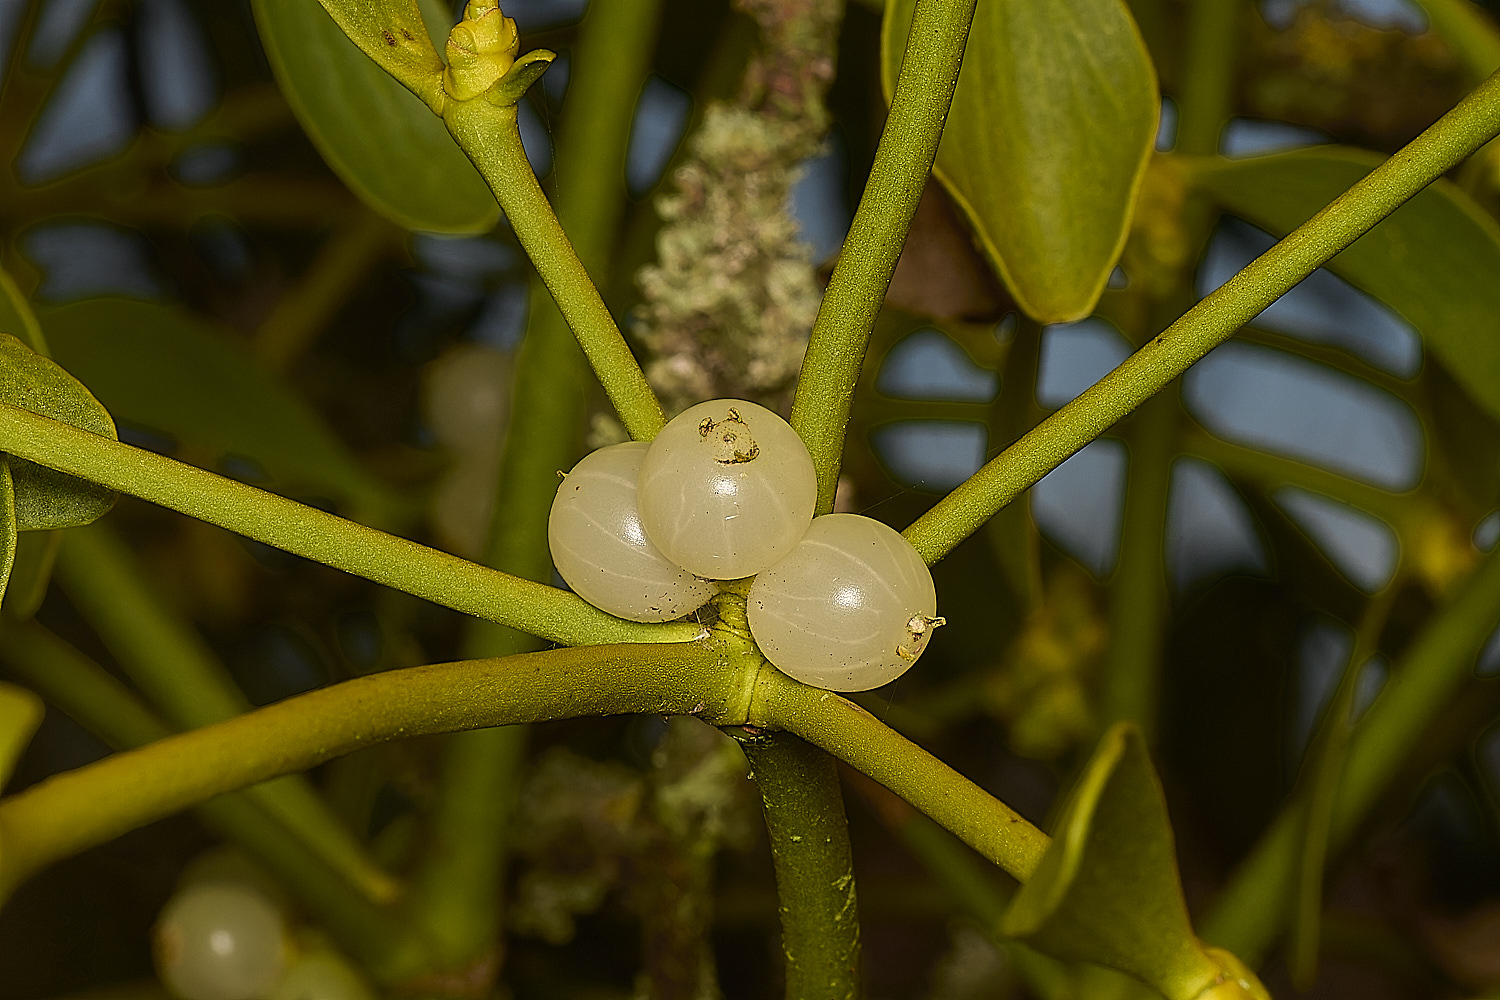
(804, 810)
(395, 562)
(102, 705)
(1212, 321)
(491, 138)
(92, 804)
(175, 669)
(908, 145)
(856, 737)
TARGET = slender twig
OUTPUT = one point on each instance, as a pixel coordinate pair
(491, 138)
(908, 145)
(804, 811)
(853, 735)
(1212, 321)
(456, 889)
(395, 562)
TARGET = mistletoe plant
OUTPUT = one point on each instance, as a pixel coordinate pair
(1044, 145)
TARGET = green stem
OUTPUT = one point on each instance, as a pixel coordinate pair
(804, 810)
(908, 145)
(1012, 534)
(386, 559)
(171, 664)
(1130, 674)
(330, 279)
(92, 804)
(102, 705)
(1208, 71)
(1457, 134)
(1248, 915)
(456, 893)
(856, 737)
(491, 138)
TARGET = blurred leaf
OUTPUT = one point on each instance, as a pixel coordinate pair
(44, 498)
(1434, 260)
(1052, 123)
(36, 552)
(1472, 36)
(16, 317)
(20, 714)
(394, 34)
(1107, 890)
(164, 369)
(390, 149)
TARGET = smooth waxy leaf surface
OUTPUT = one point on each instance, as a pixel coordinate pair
(162, 369)
(382, 141)
(1052, 123)
(393, 33)
(1434, 260)
(1107, 890)
(44, 498)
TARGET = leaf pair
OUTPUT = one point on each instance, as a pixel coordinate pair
(1107, 890)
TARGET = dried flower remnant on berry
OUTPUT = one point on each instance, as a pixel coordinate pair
(730, 438)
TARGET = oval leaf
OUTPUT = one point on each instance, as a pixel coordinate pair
(1052, 123)
(381, 140)
(392, 33)
(163, 369)
(44, 498)
(1433, 260)
(1107, 890)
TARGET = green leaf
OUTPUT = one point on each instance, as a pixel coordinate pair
(20, 713)
(389, 148)
(1434, 260)
(1107, 890)
(163, 369)
(1052, 123)
(395, 34)
(44, 498)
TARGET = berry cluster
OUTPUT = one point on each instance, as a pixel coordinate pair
(727, 491)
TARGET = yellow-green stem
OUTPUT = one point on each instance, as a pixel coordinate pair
(284, 524)
(908, 145)
(1212, 321)
(492, 139)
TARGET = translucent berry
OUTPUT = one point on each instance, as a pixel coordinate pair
(220, 941)
(600, 548)
(321, 975)
(727, 489)
(849, 609)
